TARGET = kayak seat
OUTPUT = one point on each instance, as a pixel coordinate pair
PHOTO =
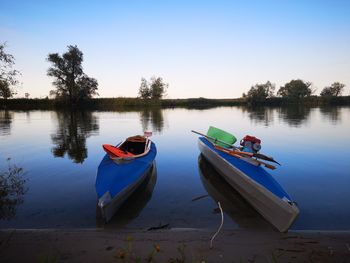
(114, 152)
(133, 147)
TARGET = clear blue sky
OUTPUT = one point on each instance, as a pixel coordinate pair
(214, 49)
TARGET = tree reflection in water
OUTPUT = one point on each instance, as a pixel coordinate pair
(72, 130)
(12, 190)
(5, 122)
(331, 113)
(134, 205)
(260, 115)
(152, 118)
(294, 115)
(233, 204)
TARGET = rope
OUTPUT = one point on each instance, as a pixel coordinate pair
(217, 232)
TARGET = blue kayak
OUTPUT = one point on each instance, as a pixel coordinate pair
(254, 183)
(117, 179)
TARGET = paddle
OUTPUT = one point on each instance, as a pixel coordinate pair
(257, 155)
(232, 153)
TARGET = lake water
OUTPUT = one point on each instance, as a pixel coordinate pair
(59, 153)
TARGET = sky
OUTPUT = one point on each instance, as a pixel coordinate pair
(212, 49)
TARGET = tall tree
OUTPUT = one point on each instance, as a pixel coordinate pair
(158, 88)
(259, 93)
(334, 90)
(155, 89)
(71, 82)
(8, 75)
(144, 90)
(295, 89)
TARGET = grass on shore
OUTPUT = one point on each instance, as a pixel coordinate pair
(124, 102)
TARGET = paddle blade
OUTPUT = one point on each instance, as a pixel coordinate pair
(222, 138)
(264, 157)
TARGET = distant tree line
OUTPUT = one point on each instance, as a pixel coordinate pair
(72, 85)
(294, 90)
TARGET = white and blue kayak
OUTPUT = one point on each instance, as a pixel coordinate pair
(254, 184)
(121, 171)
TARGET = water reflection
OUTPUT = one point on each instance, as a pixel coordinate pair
(260, 115)
(152, 119)
(132, 208)
(72, 130)
(331, 113)
(12, 190)
(294, 115)
(232, 203)
(5, 122)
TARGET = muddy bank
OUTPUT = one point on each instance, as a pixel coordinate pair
(172, 245)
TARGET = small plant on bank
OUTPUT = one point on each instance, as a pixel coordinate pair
(128, 255)
(48, 259)
(182, 258)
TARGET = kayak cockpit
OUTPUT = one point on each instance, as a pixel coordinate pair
(133, 147)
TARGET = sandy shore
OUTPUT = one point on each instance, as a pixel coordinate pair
(172, 245)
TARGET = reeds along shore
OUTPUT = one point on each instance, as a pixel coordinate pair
(121, 102)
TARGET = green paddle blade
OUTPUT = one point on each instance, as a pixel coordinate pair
(221, 135)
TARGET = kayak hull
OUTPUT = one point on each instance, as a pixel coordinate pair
(116, 181)
(278, 209)
(108, 210)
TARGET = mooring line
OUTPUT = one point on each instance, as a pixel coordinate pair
(222, 223)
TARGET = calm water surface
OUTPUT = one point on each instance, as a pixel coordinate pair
(59, 153)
